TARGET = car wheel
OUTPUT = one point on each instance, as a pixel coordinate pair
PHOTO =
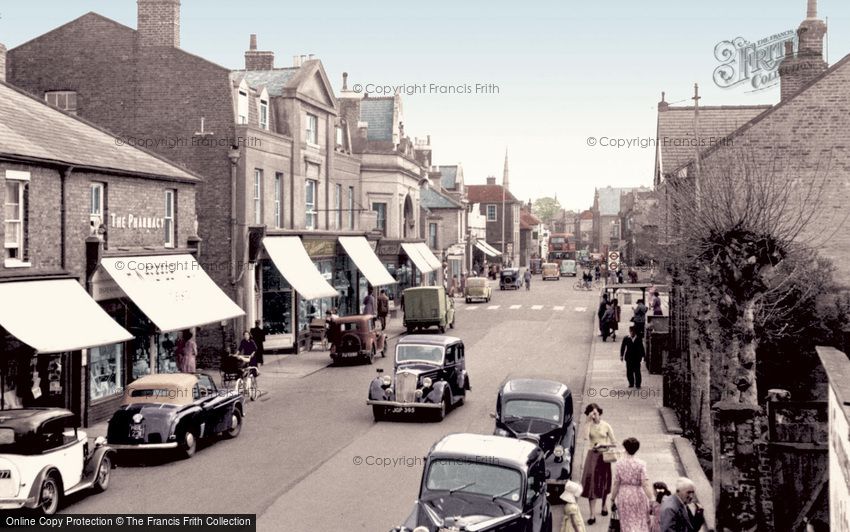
(378, 412)
(189, 444)
(49, 495)
(235, 425)
(101, 481)
(444, 408)
(468, 301)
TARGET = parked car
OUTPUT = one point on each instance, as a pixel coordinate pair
(551, 271)
(568, 267)
(173, 411)
(536, 266)
(482, 483)
(426, 306)
(477, 288)
(356, 338)
(429, 373)
(510, 278)
(540, 411)
(44, 457)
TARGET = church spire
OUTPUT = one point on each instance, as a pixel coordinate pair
(505, 180)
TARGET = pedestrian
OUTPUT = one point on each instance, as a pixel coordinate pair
(259, 336)
(383, 308)
(596, 273)
(661, 491)
(190, 352)
(608, 321)
(596, 477)
(616, 304)
(639, 318)
(675, 514)
(633, 275)
(527, 277)
(331, 326)
(248, 348)
(600, 312)
(369, 307)
(573, 521)
(630, 491)
(619, 276)
(632, 353)
(655, 302)
(454, 285)
(178, 351)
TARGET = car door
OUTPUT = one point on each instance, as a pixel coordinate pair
(460, 367)
(536, 505)
(214, 405)
(450, 371)
(63, 448)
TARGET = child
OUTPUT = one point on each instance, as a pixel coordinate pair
(573, 521)
(661, 491)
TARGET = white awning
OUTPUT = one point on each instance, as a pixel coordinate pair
(486, 248)
(415, 255)
(367, 262)
(296, 266)
(172, 290)
(53, 316)
(429, 255)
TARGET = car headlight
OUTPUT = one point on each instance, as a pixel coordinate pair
(388, 392)
(386, 380)
(559, 451)
(418, 394)
(426, 382)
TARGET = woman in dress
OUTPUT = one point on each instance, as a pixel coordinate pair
(596, 478)
(190, 352)
(631, 492)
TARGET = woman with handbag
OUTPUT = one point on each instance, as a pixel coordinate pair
(631, 492)
(596, 477)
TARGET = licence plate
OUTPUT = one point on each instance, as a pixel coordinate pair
(137, 432)
(403, 410)
(349, 355)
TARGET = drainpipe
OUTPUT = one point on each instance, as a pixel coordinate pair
(63, 223)
(234, 155)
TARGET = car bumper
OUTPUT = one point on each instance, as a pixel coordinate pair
(394, 404)
(353, 354)
(143, 446)
(14, 504)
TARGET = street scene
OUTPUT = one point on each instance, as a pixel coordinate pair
(424, 268)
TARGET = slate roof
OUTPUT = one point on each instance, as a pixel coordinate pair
(586, 215)
(273, 80)
(487, 194)
(32, 129)
(378, 113)
(449, 176)
(433, 199)
(676, 130)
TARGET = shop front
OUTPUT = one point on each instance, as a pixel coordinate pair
(372, 271)
(48, 328)
(427, 264)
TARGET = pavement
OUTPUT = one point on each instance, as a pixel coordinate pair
(639, 414)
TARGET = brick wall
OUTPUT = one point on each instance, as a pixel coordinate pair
(159, 22)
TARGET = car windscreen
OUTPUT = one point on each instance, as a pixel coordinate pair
(568, 264)
(476, 283)
(153, 394)
(483, 477)
(424, 353)
(525, 408)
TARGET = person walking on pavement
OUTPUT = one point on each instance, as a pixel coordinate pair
(573, 521)
(632, 352)
(675, 514)
(661, 491)
(383, 308)
(369, 307)
(616, 326)
(527, 277)
(596, 475)
(258, 334)
(608, 321)
(190, 352)
(639, 318)
(600, 312)
(630, 491)
(655, 302)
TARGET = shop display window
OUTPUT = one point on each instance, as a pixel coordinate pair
(167, 352)
(106, 372)
(277, 300)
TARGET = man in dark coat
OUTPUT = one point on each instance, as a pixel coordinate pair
(259, 336)
(383, 308)
(600, 313)
(675, 514)
(632, 352)
(639, 318)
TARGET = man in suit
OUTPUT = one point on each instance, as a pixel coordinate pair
(632, 352)
(675, 514)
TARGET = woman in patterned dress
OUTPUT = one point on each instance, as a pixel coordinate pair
(631, 492)
(596, 476)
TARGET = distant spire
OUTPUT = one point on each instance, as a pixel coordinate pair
(505, 180)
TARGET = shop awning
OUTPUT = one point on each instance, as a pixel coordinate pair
(367, 262)
(57, 315)
(173, 291)
(487, 248)
(429, 255)
(296, 266)
(415, 255)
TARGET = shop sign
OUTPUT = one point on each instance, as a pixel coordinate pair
(131, 221)
(320, 248)
(103, 287)
(388, 248)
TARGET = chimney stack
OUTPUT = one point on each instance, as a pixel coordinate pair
(256, 60)
(2, 62)
(491, 180)
(158, 23)
(662, 105)
(795, 72)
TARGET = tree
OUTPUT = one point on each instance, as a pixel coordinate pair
(546, 208)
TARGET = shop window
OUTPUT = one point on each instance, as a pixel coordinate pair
(277, 300)
(16, 211)
(166, 356)
(106, 371)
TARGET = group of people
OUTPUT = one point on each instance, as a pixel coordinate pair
(641, 508)
(379, 307)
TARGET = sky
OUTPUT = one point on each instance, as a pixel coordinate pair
(552, 74)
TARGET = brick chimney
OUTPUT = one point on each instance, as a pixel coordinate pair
(256, 60)
(491, 180)
(663, 105)
(797, 71)
(2, 62)
(158, 23)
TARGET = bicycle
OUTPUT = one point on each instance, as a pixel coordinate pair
(247, 384)
(236, 374)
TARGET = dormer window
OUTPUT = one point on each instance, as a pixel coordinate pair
(65, 100)
(312, 129)
(242, 107)
(264, 114)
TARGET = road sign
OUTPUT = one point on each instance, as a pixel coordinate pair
(613, 265)
(613, 256)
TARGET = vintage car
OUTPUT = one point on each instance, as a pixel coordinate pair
(426, 306)
(510, 278)
(173, 411)
(482, 483)
(356, 338)
(477, 288)
(429, 373)
(540, 411)
(568, 267)
(536, 266)
(44, 457)
(551, 271)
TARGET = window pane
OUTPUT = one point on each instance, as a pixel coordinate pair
(12, 230)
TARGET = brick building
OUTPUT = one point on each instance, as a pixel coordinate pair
(500, 210)
(529, 235)
(85, 214)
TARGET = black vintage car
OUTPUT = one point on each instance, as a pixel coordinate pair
(174, 410)
(510, 278)
(429, 373)
(481, 483)
(540, 411)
